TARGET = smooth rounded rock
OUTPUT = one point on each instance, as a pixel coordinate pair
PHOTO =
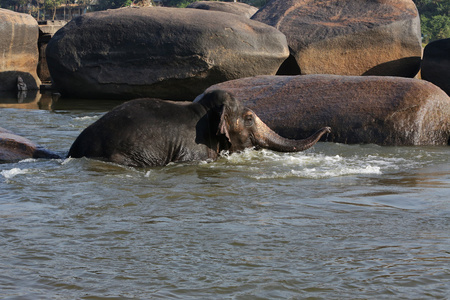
(19, 50)
(238, 8)
(347, 37)
(14, 148)
(359, 109)
(167, 53)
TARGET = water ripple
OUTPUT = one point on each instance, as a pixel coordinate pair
(334, 222)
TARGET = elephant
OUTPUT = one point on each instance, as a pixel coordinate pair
(153, 132)
(14, 147)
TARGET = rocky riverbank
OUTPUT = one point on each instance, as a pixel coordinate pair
(178, 53)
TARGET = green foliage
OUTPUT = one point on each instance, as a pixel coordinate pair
(434, 19)
(185, 3)
(18, 5)
(434, 28)
(52, 4)
(7, 3)
(171, 3)
(177, 3)
(110, 4)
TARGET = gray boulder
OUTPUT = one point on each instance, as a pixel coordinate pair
(347, 37)
(359, 109)
(238, 8)
(19, 50)
(168, 53)
(436, 64)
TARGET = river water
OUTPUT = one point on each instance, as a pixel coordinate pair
(334, 222)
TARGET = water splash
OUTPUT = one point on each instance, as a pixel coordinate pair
(267, 164)
(8, 174)
(88, 118)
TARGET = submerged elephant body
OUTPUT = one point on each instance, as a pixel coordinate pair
(137, 133)
(152, 132)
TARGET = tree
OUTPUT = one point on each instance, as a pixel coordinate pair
(16, 5)
(35, 10)
(7, 4)
(177, 3)
(110, 4)
(434, 19)
(438, 27)
(52, 5)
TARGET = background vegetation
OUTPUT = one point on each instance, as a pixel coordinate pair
(434, 14)
(434, 19)
(184, 3)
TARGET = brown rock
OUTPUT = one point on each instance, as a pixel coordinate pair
(236, 8)
(46, 31)
(14, 148)
(19, 50)
(436, 64)
(347, 37)
(359, 109)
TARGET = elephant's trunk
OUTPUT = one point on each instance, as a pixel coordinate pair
(267, 138)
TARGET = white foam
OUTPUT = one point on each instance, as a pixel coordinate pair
(8, 174)
(86, 118)
(316, 173)
(66, 161)
(27, 160)
(267, 164)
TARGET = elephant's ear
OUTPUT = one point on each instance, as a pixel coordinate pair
(224, 125)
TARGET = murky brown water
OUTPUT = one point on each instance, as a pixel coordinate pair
(335, 222)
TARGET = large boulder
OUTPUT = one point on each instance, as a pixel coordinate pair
(14, 148)
(46, 30)
(238, 8)
(168, 53)
(18, 50)
(359, 109)
(436, 64)
(347, 37)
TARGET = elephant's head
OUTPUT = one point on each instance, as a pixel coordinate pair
(244, 129)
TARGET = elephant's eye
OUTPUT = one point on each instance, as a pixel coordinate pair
(248, 120)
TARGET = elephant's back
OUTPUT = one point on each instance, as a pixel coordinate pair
(138, 132)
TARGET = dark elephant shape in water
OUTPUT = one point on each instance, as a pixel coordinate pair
(153, 132)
